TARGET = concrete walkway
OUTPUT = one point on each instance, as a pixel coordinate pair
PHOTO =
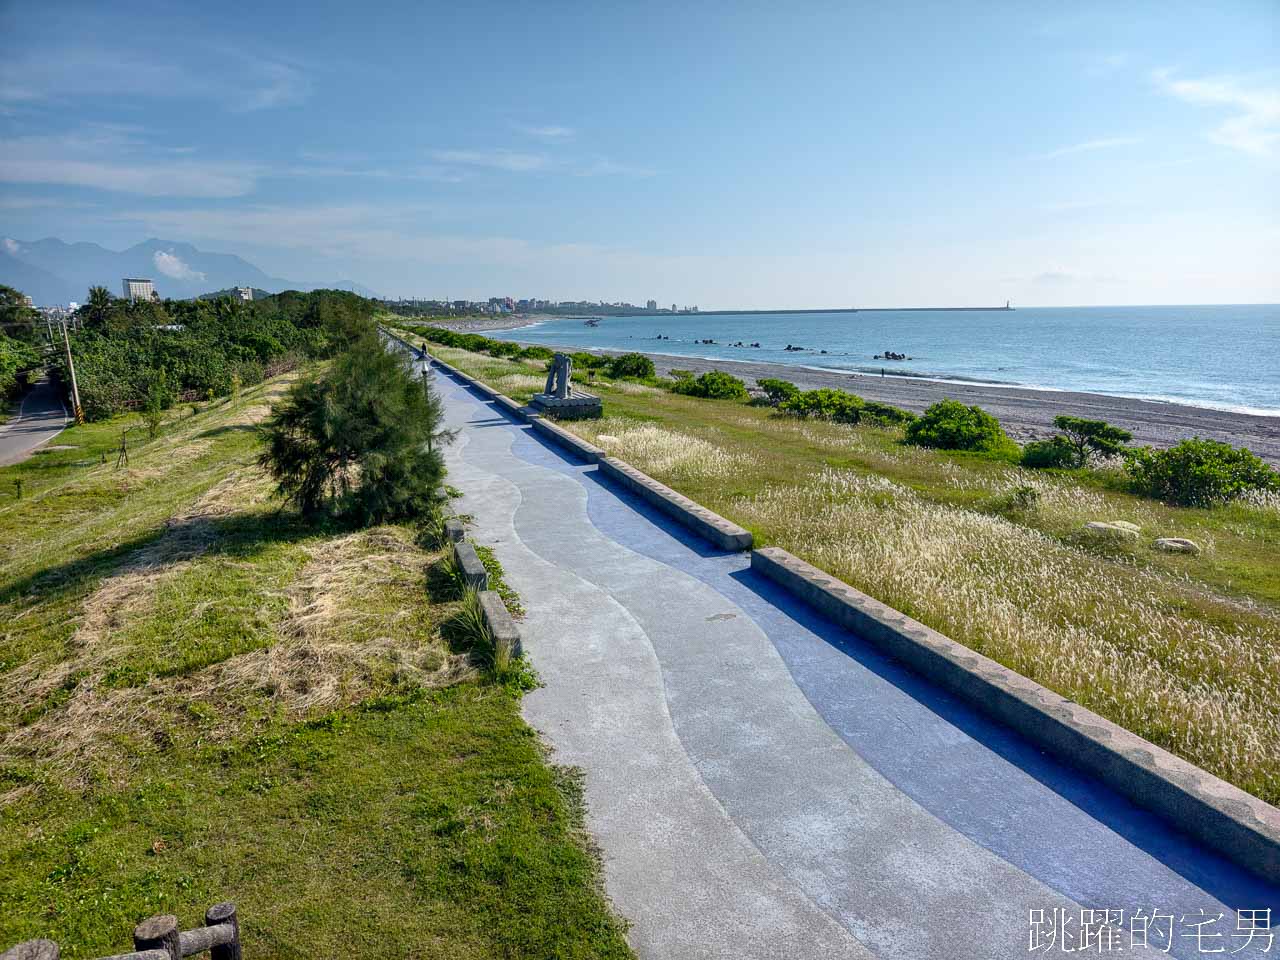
(764, 784)
(40, 417)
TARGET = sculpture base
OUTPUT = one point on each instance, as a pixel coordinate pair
(579, 406)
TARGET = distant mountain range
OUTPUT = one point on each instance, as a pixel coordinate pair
(51, 271)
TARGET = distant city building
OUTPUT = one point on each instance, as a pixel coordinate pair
(28, 301)
(136, 289)
(673, 308)
(244, 293)
(651, 304)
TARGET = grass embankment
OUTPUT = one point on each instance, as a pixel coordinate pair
(203, 699)
(1182, 650)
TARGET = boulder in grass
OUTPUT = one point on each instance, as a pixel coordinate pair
(1126, 525)
(1100, 528)
(1177, 545)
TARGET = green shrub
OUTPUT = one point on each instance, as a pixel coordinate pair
(536, 353)
(950, 425)
(1198, 473)
(713, 385)
(588, 361)
(778, 391)
(1092, 437)
(1055, 452)
(631, 365)
(884, 415)
(504, 348)
(838, 406)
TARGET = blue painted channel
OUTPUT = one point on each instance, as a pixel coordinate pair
(981, 778)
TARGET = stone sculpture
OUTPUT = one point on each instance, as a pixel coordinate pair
(558, 377)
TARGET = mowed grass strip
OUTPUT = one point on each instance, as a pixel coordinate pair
(1184, 651)
(202, 698)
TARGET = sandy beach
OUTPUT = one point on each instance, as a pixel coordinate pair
(1026, 414)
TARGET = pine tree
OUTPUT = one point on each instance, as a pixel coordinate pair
(362, 442)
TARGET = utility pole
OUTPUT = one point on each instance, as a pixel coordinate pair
(71, 367)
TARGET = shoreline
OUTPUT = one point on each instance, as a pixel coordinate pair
(1026, 413)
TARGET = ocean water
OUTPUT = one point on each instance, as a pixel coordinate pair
(1225, 357)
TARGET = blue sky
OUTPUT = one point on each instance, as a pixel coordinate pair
(726, 154)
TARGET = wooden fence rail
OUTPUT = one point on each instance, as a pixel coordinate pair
(158, 938)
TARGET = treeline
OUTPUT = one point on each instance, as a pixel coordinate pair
(1195, 472)
(126, 352)
(20, 353)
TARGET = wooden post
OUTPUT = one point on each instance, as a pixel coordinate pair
(159, 933)
(32, 950)
(221, 913)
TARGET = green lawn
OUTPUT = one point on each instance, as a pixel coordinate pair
(201, 698)
(1182, 650)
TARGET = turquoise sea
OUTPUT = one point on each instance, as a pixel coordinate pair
(1226, 357)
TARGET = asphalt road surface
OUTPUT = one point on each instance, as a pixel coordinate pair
(40, 417)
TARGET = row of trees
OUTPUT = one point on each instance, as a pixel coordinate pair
(20, 352)
(122, 349)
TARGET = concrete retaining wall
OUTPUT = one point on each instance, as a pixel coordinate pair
(1235, 824)
(712, 526)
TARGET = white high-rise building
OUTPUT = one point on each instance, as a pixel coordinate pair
(138, 289)
(244, 293)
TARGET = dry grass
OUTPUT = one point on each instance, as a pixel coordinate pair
(674, 454)
(354, 625)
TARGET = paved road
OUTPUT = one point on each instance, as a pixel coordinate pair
(40, 418)
(763, 783)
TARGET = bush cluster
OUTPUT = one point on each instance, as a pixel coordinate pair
(713, 385)
(839, 406)
(950, 425)
(632, 365)
(1079, 442)
(1198, 473)
(777, 391)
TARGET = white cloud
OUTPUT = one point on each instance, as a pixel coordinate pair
(109, 160)
(171, 265)
(549, 132)
(1088, 146)
(515, 162)
(233, 78)
(281, 85)
(494, 159)
(1253, 128)
(12, 246)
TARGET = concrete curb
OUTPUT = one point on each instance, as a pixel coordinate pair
(501, 626)
(473, 571)
(712, 526)
(453, 530)
(1226, 819)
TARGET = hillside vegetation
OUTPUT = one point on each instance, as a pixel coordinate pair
(1183, 650)
(206, 696)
